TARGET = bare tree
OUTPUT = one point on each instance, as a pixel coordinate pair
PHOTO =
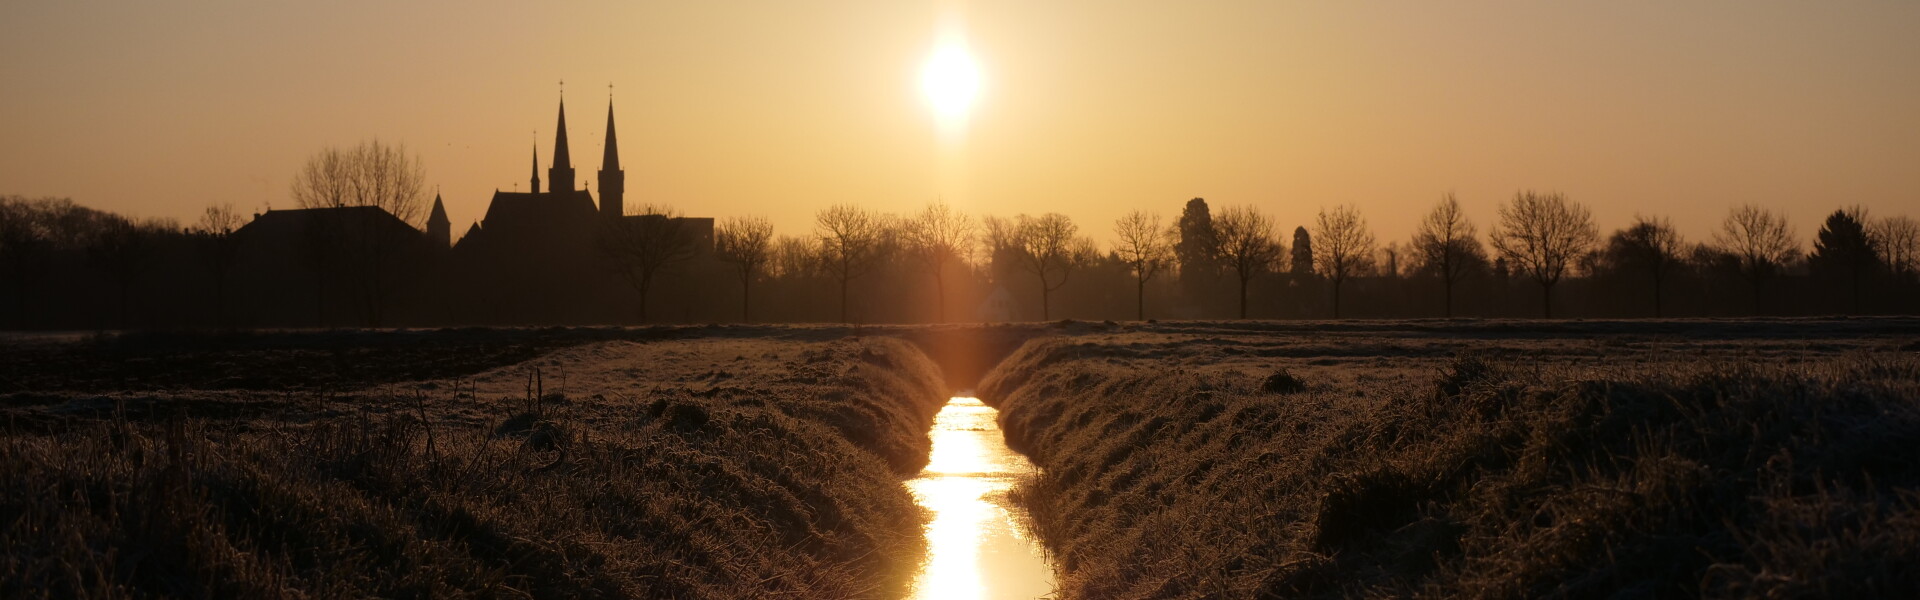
(25, 248)
(1389, 260)
(935, 238)
(1650, 245)
(1147, 249)
(1762, 243)
(1344, 247)
(1898, 239)
(1245, 243)
(124, 251)
(641, 245)
(1540, 235)
(1051, 249)
(746, 243)
(34, 232)
(374, 175)
(1445, 245)
(795, 257)
(370, 174)
(218, 248)
(849, 244)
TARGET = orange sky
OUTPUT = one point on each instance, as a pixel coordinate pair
(1091, 108)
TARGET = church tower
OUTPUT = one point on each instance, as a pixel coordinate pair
(535, 188)
(560, 176)
(613, 180)
(439, 229)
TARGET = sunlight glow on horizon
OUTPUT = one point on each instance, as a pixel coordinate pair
(1089, 109)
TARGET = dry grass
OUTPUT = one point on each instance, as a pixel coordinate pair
(782, 484)
(1711, 476)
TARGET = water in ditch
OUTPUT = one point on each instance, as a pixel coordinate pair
(978, 547)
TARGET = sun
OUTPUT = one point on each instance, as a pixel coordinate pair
(951, 81)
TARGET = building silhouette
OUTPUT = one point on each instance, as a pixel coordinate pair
(535, 256)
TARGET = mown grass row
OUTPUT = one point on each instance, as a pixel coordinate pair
(780, 488)
(1727, 479)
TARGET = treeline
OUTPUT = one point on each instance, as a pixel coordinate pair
(65, 266)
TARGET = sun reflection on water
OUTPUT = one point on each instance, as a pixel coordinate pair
(976, 544)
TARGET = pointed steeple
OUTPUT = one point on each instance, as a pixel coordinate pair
(535, 188)
(560, 176)
(613, 180)
(439, 228)
(611, 161)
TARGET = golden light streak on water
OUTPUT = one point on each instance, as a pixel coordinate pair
(978, 548)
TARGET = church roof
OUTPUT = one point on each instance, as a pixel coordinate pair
(510, 209)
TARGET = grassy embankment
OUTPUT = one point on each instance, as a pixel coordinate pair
(1707, 476)
(779, 483)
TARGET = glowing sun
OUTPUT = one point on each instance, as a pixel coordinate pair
(951, 81)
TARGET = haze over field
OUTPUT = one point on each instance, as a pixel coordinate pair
(1085, 108)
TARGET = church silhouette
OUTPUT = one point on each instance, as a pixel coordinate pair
(535, 257)
(562, 213)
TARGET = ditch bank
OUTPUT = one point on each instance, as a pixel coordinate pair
(1184, 474)
(699, 468)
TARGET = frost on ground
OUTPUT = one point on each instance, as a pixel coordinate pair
(623, 465)
(1728, 459)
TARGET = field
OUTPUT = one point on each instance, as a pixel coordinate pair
(1493, 460)
(620, 464)
(1179, 460)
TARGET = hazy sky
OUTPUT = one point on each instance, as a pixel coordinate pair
(1090, 108)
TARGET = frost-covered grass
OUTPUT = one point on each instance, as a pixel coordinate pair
(1204, 465)
(726, 477)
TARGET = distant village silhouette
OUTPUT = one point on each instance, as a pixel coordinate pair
(556, 256)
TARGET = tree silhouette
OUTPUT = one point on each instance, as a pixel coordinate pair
(1541, 235)
(1197, 248)
(1760, 241)
(1302, 253)
(371, 174)
(25, 248)
(1650, 246)
(1445, 245)
(1246, 244)
(217, 248)
(849, 244)
(1898, 239)
(746, 243)
(1051, 249)
(795, 257)
(1346, 247)
(1146, 248)
(640, 246)
(1843, 249)
(124, 251)
(934, 238)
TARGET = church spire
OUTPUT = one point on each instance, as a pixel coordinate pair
(613, 180)
(439, 228)
(611, 161)
(535, 188)
(560, 176)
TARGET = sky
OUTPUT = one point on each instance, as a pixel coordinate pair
(1087, 108)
